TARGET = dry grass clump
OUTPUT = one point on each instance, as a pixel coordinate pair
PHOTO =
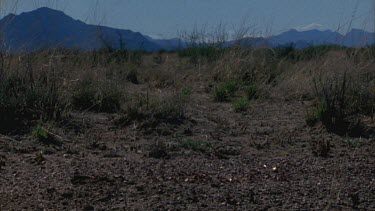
(256, 71)
(344, 89)
(321, 147)
(27, 95)
(47, 85)
(201, 146)
(100, 96)
(241, 104)
(225, 90)
(153, 110)
(298, 82)
(339, 78)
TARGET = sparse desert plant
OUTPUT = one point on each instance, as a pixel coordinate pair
(186, 91)
(137, 109)
(292, 54)
(110, 55)
(24, 99)
(317, 113)
(39, 158)
(337, 98)
(342, 96)
(158, 58)
(40, 133)
(225, 90)
(132, 76)
(195, 145)
(321, 147)
(159, 150)
(160, 79)
(241, 104)
(2, 162)
(84, 96)
(170, 108)
(353, 143)
(230, 86)
(97, 96)
(136, 57)
(251, 91)
(208, 53)
(221, 95)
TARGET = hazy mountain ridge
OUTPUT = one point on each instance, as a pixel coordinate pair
(47, 28)
(354, 38)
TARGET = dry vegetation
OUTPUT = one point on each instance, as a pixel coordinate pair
(202, 128)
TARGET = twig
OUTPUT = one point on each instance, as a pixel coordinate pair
(55, 135)
(7, 137)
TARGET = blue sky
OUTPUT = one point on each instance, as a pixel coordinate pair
(165, 18)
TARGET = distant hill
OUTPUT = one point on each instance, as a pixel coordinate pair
(302, 39)
(45, 28)
(48, 28)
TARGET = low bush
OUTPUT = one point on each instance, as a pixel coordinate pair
(40, 133)
(205, 53)
(169, 109)
(97, 96)
(225, 90)
(290, 53)
(317, 113)
(186, 91)
(251, 91)
(241, 104)
(195, 145)
(342, 97)
(23, 101)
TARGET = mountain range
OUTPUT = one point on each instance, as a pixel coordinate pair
(46, 28)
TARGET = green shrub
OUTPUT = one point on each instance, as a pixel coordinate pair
(317, 113)
(40, 133)
(231, 87)
(225, 90)
(241, 104)
(221, 95)
(251, 92)
(186, 91)
(353, 143)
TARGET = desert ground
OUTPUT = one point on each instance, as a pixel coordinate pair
(163, 131)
